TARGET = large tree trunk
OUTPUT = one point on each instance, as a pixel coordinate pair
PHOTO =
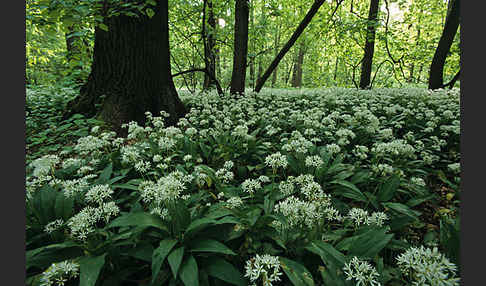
(299, 61)
(303, 24)
(240, 47)
(209, 79)
(436, 77)
(369, 46)
(130, 73)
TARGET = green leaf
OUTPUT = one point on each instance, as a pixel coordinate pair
(159, 255)
(189, 272)
(150, 12)
(223, 270)
(90, 268)
(210, 245)
(370, 243)
(402, 209)
(64, 206)
(449, 237)
(138, 219)
(44, 256)
(175, 259)
(351, 192)
(388, 189)
(198, 225)
(296, 272)
(328, 253)
(103, 27)
(105, 174)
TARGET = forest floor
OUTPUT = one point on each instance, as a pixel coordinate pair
(287, 169)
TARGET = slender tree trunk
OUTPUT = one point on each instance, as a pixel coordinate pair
(210, 48)
(240, 47)
(252, 58)
(277, 40)
(367, 63)
(130, 72)
(419, 73)
(299, 61)
(336, 69)
(436, 76)
(303, 24)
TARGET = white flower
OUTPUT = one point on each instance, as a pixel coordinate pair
(313, 161)
(265, 267)
(358, 216)
(251, 185)
(59, 273)
(361, 271)
(425, 266)
(276, 160)
(53, 225)
(234, 202)
(42, 166)
(98, 194)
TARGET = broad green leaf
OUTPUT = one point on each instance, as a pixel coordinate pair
(351, 192)
(159, 255)
(370, 243)
(296, 272)
(105, 174)
(388, 189)
(44, 256)
(223, 270)
(64, 206)
(175, 259)
(138, 219)
(198, 224)
(402, 209)
(90, 268)
(189, 272)
(210, 245)
(328, 253)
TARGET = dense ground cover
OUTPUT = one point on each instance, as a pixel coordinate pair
(285, 187)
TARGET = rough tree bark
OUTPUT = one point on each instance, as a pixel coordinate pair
(240, 47)
(210, 51)
(367, 63)
(303, 24)
(436, 72)
(130, 72)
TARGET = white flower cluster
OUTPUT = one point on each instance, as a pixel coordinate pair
(251, 185)
(59, 273)
(425, 266)
(44, 165)
(54, 225)
(264, 267)
(361, 217)
(362, 272)
(84, 223)
(297, 143)
(313, 161)
(234, 202)
(225, 173)
(276, 160)
(98, 194)
(166, 189)
(397, 147)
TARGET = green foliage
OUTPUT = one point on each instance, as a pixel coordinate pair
(304, 184)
